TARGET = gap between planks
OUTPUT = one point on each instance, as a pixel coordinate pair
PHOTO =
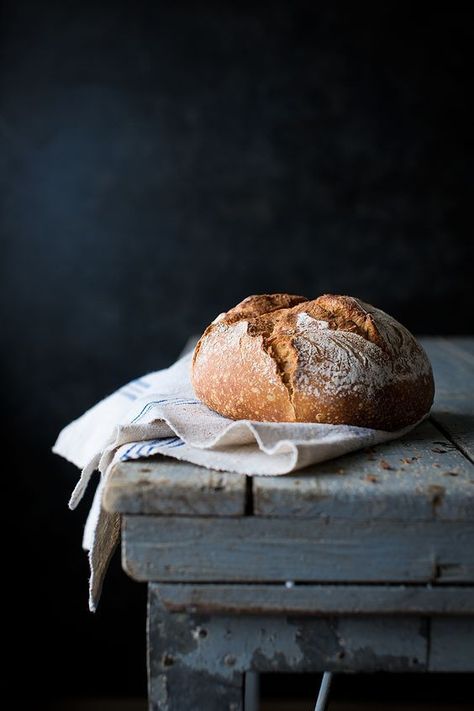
(457, 442)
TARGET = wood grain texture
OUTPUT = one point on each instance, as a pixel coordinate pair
(162, 485)
(418, 477)
(253, 549)
(320, 600)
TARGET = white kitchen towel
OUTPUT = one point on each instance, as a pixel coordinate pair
(160, 414)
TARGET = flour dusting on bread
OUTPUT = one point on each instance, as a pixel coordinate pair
(280, 357)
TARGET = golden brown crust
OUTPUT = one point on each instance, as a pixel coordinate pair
(334, 359)
(260, 304)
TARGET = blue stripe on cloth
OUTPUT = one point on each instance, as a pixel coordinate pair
(170, 400)
(138, 450)
(176, 444)
(135, 450)
(124, 456)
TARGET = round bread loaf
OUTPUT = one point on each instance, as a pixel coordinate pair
(336, 359)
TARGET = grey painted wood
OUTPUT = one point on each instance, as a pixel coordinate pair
(465, 343)
(399, 513)
(452, 645)
(253, 549)
(459, 426)
(453, 367)
(162, 485)
(221, 647)
(179, 679)
(418, 477)
(453, 410)
(181, 689)
(318, 600)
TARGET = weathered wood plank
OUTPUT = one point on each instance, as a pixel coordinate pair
(177, 680)
(320, 600)
(452, 645)
(224, 646)
(418, 477)
(179, 688)
(162, 485)
(453, 368)
(253, 549)
(465, 343)
(453, 409)
(458, 426)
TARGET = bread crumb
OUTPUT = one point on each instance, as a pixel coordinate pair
(372, 478)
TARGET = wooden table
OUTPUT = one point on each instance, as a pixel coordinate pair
(359, 564)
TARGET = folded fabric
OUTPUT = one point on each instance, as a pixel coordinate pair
(159, 414)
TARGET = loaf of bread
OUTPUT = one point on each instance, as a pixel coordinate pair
(336, 359)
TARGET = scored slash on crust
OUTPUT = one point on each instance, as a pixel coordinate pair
(335, 359)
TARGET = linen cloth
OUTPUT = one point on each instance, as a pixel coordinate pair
(160, 414)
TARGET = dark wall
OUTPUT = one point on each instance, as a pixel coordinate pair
(158, 163)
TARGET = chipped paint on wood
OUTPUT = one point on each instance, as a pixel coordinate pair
(233, 645)
(164, 486)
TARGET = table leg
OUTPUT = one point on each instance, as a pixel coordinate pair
(252, 691)
(180, 676)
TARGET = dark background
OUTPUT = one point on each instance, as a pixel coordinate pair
(161, 161)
